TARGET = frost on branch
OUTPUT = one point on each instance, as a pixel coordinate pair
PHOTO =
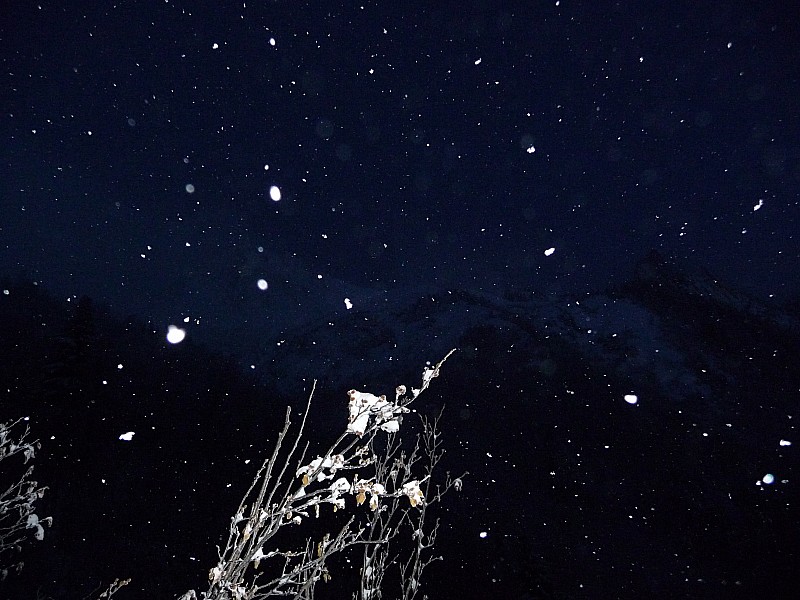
(380, 487)
(367, 408)
(17, 517)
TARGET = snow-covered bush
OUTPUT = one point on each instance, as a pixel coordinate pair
(385, 485)
(18, 521)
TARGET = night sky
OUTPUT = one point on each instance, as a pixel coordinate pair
(162, 158)
(412, 146)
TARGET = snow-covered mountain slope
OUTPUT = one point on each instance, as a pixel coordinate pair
(644, 332)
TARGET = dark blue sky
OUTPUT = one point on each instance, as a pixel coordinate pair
(414, 145)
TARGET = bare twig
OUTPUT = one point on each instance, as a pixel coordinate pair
(16, 501)
(384, 482)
